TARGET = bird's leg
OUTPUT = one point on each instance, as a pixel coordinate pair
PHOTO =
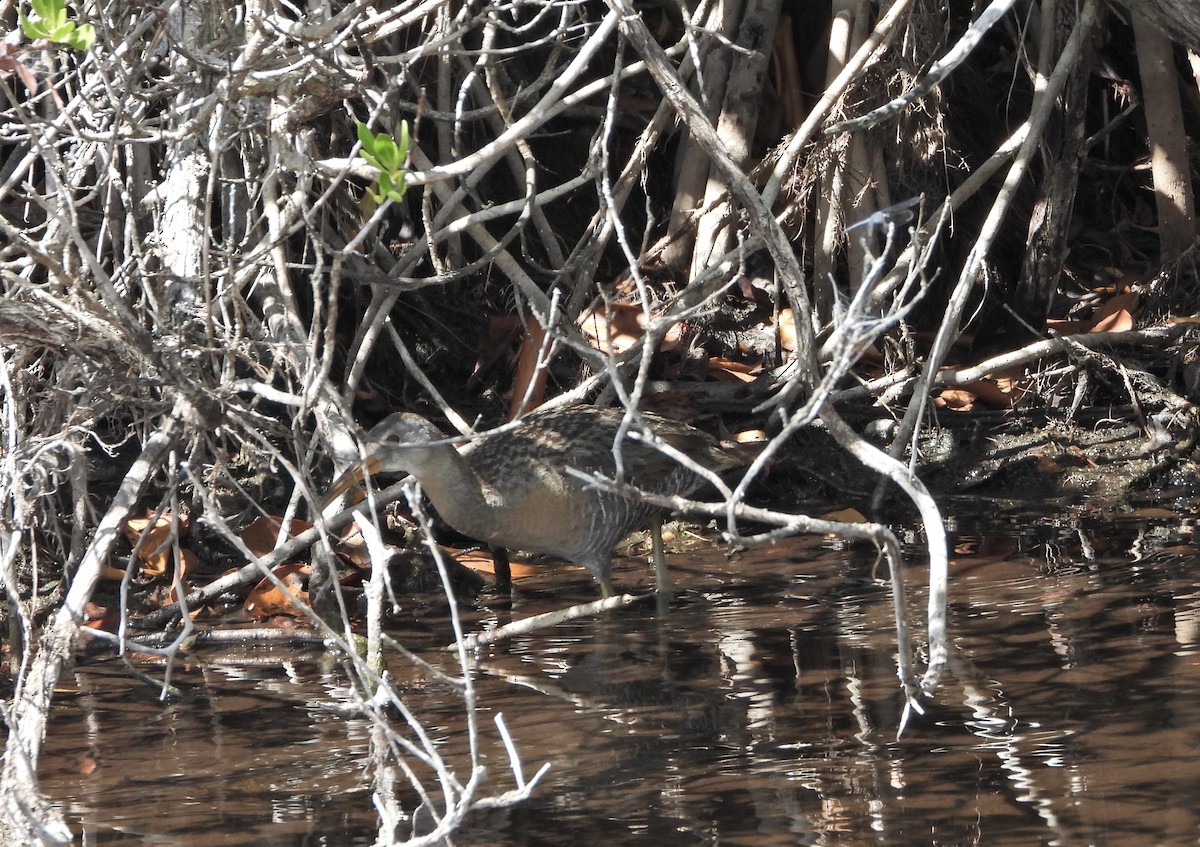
(502, 569)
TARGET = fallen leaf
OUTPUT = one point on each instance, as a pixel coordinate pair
(482, 562)
(102, 618)
(1046, 464)
(352, 547)
(750, 436)
(727, 370)
(261, 533)
(529, 383)
(112, 574)
(503, 330)
(997, 393)
(617, 327)
(1116, 314)
(787, 330)
(1119, 321)
(956, 399)
(845, 516)
(268, 599)
(1068, 326)
(154, 552)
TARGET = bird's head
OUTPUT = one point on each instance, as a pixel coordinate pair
(401, 442)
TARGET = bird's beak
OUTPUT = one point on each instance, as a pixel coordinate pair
(354, 475)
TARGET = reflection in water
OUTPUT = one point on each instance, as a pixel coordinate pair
(761, 710)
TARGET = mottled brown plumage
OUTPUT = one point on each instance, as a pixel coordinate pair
(511, 489)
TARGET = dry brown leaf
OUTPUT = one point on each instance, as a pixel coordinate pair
(1068, 326)
(260, 534)
(101, 617)
(503, 330)
(1048, 464)
(529, 383)
(997, 393)
(1119, 321)
(145, 658)
(154, 554)
(268, 599)
(787, 330)
(1125, 301)
(1116, 314)
(727, 370)
(750, 436)
(352, 547)
(1000, 392)
(190, 561)
(617, 327)
(956, 399)
(845, 516)
(112, 574)
(482, 562)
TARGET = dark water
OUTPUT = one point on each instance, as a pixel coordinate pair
(762, 710)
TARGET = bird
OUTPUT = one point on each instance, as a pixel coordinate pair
(513, 489)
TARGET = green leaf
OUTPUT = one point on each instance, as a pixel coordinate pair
(53, 13)
(33, 29)
(403, 142)
(371, 146)
(365, 137)
(398, 187)
(385, 151)
(52, 24)
(393, 186)
(83, 37)
(62, 33)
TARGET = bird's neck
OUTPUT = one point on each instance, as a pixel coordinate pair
(462, 498)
